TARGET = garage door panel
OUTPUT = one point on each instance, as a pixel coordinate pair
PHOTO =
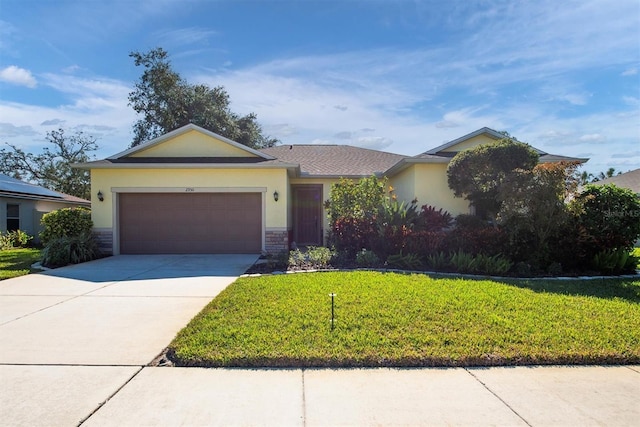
(190, 223)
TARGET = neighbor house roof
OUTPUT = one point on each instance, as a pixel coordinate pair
(630, 180)
(334, 160)
(11, 187)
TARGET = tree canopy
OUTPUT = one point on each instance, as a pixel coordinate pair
(167, 101)
(52, 168)
(478, 173)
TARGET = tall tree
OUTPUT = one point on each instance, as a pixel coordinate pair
(609, 173)
(166, 102)
(53, 167)
(478, 173)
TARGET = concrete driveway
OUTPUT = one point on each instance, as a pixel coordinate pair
(69, 338)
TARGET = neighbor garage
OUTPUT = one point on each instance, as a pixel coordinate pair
(188, 223)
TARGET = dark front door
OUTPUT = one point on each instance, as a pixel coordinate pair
(307, 214)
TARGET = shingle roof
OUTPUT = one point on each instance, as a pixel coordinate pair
(11, 187)
(334, 160)
(630, 180)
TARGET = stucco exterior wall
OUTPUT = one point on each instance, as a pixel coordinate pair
(193, 144)
(108, 181)
(430, 187)
(470, 143)
(404, 184)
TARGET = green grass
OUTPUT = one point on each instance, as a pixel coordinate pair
(17, 262)
(386, 319)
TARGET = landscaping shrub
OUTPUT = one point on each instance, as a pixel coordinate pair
(57, 253)
(63, 251)
(533, 213)
(67, 222)
(14, 239)
(404, 262)
(475, 236)
(438, 261)
(352, 208)
(314, 258)
(462, 262)
(67, 237)
(279, 260)
(367, 259)
(495, 265)
(431, 220)
(425, 242)
(349, 235)
(615, 261)
(608, 218)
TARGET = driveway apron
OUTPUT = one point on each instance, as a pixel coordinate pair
(71, 337)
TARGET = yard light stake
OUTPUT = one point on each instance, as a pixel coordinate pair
(333, 320)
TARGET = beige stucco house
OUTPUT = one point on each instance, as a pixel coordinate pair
(22, 205)
(193, 191)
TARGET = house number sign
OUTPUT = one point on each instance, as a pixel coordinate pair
(189, 189)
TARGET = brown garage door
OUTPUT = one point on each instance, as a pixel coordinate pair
(184, 223)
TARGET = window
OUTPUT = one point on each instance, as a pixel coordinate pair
(13, 217)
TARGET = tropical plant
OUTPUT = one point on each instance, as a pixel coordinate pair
(462, 262)
(14, 239)
(404, 261)
(438, 261)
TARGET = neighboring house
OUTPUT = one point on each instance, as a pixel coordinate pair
(193, 191)
(22, 205)
(630, 180)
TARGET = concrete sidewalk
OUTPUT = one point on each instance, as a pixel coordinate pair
(514, 396)
(152, 396)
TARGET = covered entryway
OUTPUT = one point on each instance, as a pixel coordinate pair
(190, 223)
(307, 214)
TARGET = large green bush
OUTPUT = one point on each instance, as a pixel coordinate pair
(352, 208)
(534, 215)
(67, 222)
(608, 217)
(67, 237)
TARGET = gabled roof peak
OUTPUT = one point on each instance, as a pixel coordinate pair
(492, 133)
(180, 131)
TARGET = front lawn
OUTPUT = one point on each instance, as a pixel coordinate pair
(388, 319)
(17, 262)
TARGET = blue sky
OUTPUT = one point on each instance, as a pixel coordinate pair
(397, 75)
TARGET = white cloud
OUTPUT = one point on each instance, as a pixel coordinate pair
(96, 105)
(52, 122)
(373, 142)
(629, 72)
(18, 76)
(593, 137)
(9, 130)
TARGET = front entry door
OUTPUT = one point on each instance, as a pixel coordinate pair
(307, 214)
